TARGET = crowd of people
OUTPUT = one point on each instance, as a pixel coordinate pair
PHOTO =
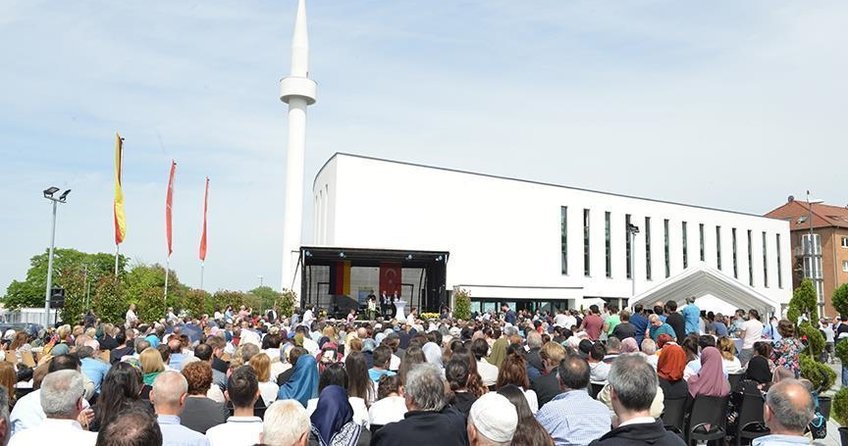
(237, 377)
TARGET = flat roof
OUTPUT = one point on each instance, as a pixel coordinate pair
(541, 183)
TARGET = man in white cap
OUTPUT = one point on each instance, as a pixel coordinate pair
(492, 421)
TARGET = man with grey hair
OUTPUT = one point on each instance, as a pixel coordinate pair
(535, 366)
(168, 397)
(286, 423)
(62, 401)
(789, 409)
(633, 387)
(427, 419)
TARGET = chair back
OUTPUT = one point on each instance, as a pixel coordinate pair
(708, 414)
(751, 423)
(673, 413)
(734, 379)
(595, 389)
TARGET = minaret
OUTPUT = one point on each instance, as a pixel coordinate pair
(298, 91)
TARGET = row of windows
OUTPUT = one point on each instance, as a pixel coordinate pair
(608, 251)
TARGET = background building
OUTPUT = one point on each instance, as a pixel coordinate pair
(825, 260)
(533, 244)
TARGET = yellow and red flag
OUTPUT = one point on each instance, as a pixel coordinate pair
(169, 202)
(118, 204)
(203, 234)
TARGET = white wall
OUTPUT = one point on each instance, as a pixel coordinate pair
(503, 232)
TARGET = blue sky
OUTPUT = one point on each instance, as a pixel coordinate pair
(717, 107)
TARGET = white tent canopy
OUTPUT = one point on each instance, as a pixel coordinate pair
(703, 281)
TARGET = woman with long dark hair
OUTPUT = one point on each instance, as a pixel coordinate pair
(412, 357)
(121, 389)
(358, 383)
(456, 372)
(529, 431)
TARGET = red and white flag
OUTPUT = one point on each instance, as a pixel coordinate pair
(169, 202)
(203, 234)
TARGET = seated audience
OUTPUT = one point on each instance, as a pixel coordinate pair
(632, 383)
(286, 424)
(168, 396)
(573, 417)
(200, 411)
(492, 421)
(528, 431)
(243, 428)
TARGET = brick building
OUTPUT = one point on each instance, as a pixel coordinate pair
(826, 259)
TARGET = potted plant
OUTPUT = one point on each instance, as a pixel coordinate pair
(840, 413)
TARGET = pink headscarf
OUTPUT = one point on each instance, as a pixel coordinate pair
(628, 345)
(710, 380)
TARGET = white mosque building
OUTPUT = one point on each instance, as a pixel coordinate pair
(532, 244)
(524, 243)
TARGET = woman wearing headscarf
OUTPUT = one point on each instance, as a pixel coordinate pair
(670, 368)
(755, 382)
(332, 421)
(710, 380)
(433, 354)
(303, 383)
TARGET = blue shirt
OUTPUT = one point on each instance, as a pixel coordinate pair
(664, 328)
(574, 418)
(94, 370)
(175, 434)
(375, 374)
(639, 321)
(720, 328)
(153, 340)
(778, 440)
(692, 316)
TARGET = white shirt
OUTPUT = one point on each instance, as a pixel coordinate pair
(237, 431)
(268, 390)
(753, 332)
(532, 400)
(311, 346)
(488, 372)
(28, 412)
(54, 431)
(731, 367)
(394, 363)
(387, 410)
(360, 411)
(130, 317)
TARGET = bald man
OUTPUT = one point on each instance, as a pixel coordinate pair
(788, 410)
(168, 397)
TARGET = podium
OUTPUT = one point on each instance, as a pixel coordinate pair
(400, 310)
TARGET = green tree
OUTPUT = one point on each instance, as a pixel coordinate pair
(462, 304)
(840, 299)
(222, 298)
(108, 301)
(803, 303)
(145, 287)
(195, 302)
(268, 297)
(70, 269)
(286, 302)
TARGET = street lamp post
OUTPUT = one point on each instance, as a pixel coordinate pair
(48, 194)
(632, 230)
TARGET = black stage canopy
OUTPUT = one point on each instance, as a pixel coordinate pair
(329, 273)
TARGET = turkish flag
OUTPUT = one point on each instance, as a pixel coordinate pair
(390, 278)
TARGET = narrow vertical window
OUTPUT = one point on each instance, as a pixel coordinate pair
(563, 221)
(627, 247)
(765, 261)
(587, 270)
(750, 259)
(667, 250)
(608, 242)
(779, 264)
(718, 247)
(735, 263)
(685, 246)
(648, 248)
(701, 230)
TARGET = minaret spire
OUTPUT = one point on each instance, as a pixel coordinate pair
(298, 91)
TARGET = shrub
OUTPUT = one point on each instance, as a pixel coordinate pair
(430, 316)
(462, 304)
(840, 406)
(840, 299)
(803, 302)
(842, 351)
(815, 340)
(819, 374)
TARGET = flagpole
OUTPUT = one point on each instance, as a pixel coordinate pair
(167, 269)
(202, 264)
(117, 253)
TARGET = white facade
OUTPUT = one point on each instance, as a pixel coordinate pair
(505, 239)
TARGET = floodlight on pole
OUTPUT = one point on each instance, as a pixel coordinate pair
(632, 230)
(48, 194)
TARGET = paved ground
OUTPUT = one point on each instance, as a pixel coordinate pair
(832, 426)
